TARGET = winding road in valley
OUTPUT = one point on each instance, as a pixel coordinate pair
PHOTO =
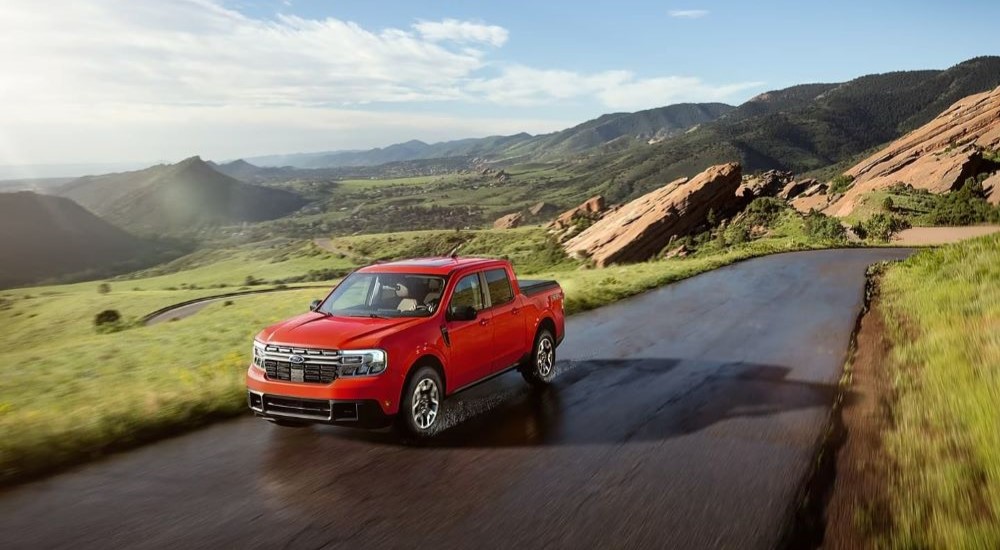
(687, 417)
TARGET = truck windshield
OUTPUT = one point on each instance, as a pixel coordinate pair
(385, 295)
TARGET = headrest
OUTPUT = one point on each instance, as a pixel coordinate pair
(402, 291)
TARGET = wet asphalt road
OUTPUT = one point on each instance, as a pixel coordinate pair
(684, 418)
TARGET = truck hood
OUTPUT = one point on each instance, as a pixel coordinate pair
(315, 330)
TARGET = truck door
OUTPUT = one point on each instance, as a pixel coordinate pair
(509, 339)
(470, 351)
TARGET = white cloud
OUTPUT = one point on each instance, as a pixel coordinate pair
(462, 31)
(106, 79)
(654, 92)
(688, 14)
(622, 90)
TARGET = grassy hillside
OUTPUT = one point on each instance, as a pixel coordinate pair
(944, 445)
(178, 198)
(48, 238)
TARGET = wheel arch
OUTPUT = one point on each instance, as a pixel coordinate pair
(545, 323)
(427, 360)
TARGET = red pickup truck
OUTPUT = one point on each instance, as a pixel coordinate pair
(393, 339)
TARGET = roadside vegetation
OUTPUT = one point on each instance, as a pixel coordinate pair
(919, 207)
(943, 309)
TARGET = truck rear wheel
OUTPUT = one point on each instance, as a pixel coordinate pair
(540, 367)
(420, 409)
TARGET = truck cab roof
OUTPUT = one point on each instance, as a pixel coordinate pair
(440, 265)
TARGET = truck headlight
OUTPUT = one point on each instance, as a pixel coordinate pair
(258, 355)
(363, 362)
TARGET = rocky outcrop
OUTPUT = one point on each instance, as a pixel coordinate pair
(992, 188)
(589, 209)
(796, 188)
(938, 156)
(816, 189)
(510, 221)
(542, 209)
(640, 229)
(768, 183)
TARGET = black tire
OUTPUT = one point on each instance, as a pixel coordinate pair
(420, 407)
(288, 423)
(536, 369)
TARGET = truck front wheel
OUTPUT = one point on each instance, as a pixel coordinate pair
(420, 409)
(540, 367)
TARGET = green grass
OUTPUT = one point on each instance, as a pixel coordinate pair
(359, 184)
(529, 248)
(943, 306)
(231, 267)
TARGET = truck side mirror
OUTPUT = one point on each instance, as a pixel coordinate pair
(462, 313)
(314, 304)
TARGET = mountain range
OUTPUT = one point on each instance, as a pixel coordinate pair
(617, 130)
(800, 128)
(178, 197)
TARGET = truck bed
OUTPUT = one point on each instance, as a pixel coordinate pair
(529, 287)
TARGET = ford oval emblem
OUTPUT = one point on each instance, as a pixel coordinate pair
(296, 359)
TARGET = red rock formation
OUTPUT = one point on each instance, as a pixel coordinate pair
(590, 208)
(510, 221)
(795, 188)
(938, 156)
(640, 229)
(767, 183)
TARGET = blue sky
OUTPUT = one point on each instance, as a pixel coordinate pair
(104, 80)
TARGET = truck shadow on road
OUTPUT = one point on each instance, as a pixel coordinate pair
(606, 401)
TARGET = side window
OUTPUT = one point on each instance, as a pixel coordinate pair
(467, 293)
(499, 285)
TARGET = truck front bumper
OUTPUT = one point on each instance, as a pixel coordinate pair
(363, 402)
(358, 414)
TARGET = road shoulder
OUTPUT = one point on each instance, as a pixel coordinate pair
(858, 510)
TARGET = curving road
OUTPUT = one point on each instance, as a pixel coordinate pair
(184, 310)
(687, 417)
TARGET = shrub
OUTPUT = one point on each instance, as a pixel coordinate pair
(859, 230)
(964, 207)
(888, 205)
(737, 233)
(882, 226)
(840, 184)
(822, 227)
(764, 211)
(103, 288)
(106, 317)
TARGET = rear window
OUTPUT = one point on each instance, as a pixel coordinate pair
(499, 287)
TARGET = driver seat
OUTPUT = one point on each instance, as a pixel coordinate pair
(433, 291)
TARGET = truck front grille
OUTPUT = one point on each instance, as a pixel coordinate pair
(315, 366)
(290, 406)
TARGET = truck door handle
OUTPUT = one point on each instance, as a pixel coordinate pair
(483, 322)
(515, 310)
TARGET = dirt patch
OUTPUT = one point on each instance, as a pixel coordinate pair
(918, 236)
(858, 510)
